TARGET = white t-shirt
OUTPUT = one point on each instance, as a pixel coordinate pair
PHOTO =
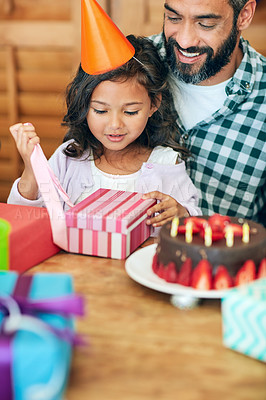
(159, 155)
(195, 103)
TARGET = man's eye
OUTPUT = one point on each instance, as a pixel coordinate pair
(173, 19)
(99, 111)
(131, 112)
(206, 26)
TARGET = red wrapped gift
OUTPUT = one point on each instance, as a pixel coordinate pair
(29, 239)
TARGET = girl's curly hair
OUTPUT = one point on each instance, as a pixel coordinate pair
(149, 71)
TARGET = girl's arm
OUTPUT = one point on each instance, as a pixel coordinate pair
(167, 209)
(26, 138)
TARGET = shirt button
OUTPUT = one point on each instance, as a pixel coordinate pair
(185, 137)
(149, 166)
(247, 85)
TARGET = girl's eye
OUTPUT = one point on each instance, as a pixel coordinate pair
(99, 111)
(132, 112)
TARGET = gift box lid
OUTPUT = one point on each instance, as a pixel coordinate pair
(110, 211)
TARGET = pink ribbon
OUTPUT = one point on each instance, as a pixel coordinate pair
(49, 187)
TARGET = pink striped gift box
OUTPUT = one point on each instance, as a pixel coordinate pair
(108, 223)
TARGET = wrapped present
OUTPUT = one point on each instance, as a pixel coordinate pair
(36, 334)
(244, 319)
(26, 237)
(108, 223)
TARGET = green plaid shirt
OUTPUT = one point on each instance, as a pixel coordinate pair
(228, 149)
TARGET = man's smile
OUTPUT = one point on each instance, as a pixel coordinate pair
(186, 57)
(186, 54)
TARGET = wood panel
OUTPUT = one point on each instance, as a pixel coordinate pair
(256, 33)
(140, 17)
(39, 53)
(37, 33)
(37, 58)
(8, 168)
(41, 81)
(3, 103)
(42, 10)
(40, 104)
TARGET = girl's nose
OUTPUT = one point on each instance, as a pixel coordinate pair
(115, 122)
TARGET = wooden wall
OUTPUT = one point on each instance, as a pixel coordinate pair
(256, 33)
(39, 52)
(141, 17)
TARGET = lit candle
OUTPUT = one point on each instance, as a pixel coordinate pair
(229, 236)
(174, 227)
(189, 230)
(208, 236)
(245, 233)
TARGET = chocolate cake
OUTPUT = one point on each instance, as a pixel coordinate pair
(175, 253)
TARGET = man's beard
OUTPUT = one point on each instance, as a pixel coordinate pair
(212, 65)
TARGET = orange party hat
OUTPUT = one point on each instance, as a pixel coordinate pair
(103, 45)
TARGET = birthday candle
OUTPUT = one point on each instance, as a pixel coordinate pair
(229, 236)
(174, 227)
(189, 228)
(208, 236)
(245, 233)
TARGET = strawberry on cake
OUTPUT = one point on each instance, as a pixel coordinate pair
(215, 252)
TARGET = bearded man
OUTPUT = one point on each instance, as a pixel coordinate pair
(219, 86)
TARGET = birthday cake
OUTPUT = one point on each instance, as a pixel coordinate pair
(214, 252)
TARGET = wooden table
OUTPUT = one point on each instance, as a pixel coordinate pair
(143, 348)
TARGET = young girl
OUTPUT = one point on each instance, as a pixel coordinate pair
(121, 135)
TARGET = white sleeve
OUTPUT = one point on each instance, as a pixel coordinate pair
(16, 198)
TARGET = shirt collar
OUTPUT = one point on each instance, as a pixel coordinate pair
(244, 77)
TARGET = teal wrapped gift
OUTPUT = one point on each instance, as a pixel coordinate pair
(36, 334)
(244, 319)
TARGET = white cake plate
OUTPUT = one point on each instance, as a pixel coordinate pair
(139, 267)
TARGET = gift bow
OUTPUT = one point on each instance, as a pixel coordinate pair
(68, 306)
(21, 310)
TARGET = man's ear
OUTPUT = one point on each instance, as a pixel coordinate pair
(246, 15)
(157, 104)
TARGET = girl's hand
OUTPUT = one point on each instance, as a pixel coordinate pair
(26, 138)
(168, 208)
